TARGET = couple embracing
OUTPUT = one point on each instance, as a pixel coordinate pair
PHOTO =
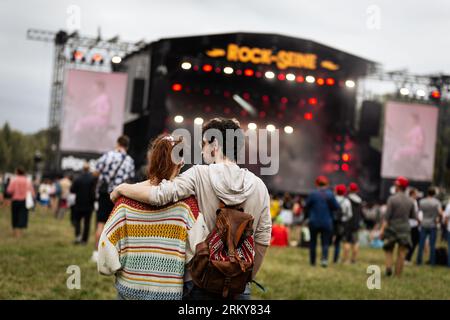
(158, 230)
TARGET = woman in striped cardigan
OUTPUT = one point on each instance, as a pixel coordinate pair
(147, 247)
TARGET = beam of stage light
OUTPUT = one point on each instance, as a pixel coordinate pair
(244, 104)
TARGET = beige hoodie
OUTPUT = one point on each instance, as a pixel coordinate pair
(212, 183)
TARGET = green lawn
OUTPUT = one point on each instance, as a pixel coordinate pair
(34, 267)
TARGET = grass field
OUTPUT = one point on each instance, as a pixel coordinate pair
(34, 267)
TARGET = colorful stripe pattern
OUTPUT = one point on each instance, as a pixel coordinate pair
(151, 242)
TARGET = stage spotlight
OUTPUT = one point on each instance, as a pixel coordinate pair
(308, 116)
(228, 70)
(198, 121)
(270, 127)
(207, 68)
(248, 72)
(310, 79)
(281, 77)
(186, 65)
(350, 84)
(288, 129)
(116, 59)
(345, 167)
(97, 58)
(269, 75)
(345, 157)
(435, 96)
(330, 81)
(320, 81)
(404, 91)
(290, 77)
(178, 119)
(421, 93)
(300, 79)
(252, 126)
(177, 87)
(77, 55)
(312, 101)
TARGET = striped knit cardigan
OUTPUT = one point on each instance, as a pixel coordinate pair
(147, 247)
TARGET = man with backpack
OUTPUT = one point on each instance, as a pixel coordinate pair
(231, 199)
(341, 218)
(353, 224)
(319, 207)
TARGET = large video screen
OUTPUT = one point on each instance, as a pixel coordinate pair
(93, 110)
(409, 141)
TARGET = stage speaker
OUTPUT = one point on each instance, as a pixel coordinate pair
(369, 121)
(137, 99)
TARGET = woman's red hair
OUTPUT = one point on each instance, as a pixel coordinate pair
(160, 164)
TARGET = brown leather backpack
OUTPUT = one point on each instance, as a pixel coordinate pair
(223, 263)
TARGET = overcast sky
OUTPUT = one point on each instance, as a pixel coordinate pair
(410, 34)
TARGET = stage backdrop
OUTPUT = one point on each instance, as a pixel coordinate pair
(409, 141)
(93, 110)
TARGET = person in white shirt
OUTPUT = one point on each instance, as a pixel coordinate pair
(340, 225)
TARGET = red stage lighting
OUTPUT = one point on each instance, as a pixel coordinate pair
(300, 79)
(308, 116)
(320, 81)
(312, 101)
(218, 70)
(284, 100)
(226, 110)
(78, 55)
(207, 68)
(246, 95)
(262, 114)
(248, 72)
(436, 94)
(195, 68)
(177, 87)
(265, 98)
(345, 157)
(330, 81)
(258, 74)
(345, 167)
(281, 76)
(238, 72)
(226, 94)
(243, 113)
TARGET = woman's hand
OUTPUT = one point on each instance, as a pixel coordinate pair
(116, 193)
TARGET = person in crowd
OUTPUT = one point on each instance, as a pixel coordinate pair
(280, 234)
(353, 225)
(447, 222)
(131, 242)
(341, 219)
(44, 193)
(55, 193)
(320, 206)
(64, 187)
(414, 224)
(222, 180)
(286, 214)
(371, 215)
(18, 188)
(431, 210)
(274, 206)
(112, 169)
(84, 190)
(2, 191)
(395, 228)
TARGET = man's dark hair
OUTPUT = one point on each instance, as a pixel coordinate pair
(20, 171)
(222, 125)
(123, 141)
(431, 191)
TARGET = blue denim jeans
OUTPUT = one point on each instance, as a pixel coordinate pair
(325, 240)
(192, 292)
(424, 234)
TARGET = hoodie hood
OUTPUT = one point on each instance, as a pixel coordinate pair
(231, 184)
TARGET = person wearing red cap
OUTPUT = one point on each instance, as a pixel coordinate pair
(319, 208)
(353, 225)
(341, 218)
(395, 228)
